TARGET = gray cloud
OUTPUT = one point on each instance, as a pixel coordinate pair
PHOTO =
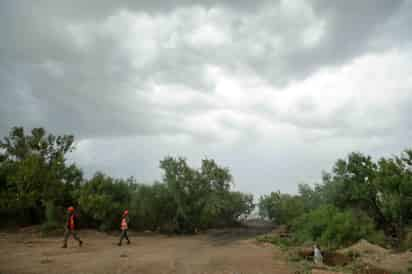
(224, 79)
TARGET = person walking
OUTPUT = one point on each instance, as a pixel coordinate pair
(70, 227)
(124, 227)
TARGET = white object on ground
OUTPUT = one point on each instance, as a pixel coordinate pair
(317, 255)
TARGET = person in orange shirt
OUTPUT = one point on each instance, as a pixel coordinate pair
(70, 228)
(124, 227)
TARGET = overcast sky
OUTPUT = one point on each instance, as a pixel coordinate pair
(274, 90)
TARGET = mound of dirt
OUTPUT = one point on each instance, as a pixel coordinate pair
(364, 247)
(399, 262)
(376, 258)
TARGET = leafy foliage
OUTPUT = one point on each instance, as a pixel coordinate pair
(34, 172)
(102, 198)
(380, 190)
(358, 198)
(202, 197)
(281, 208)
(332, 227)
(37, 184)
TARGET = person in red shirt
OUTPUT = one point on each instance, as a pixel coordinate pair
(124, 227)
(70, 227)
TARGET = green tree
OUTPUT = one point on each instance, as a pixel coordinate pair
(153, 207)
(395, 191)
(353, 184)
(332, 227)
(281, 208)
(33, 171)
(312, 198)
(202, 197)
(103, 199)
(381, 189)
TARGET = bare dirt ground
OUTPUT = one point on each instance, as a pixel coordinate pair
(399, 262)
(216, 252)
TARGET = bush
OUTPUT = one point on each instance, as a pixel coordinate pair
(152, 207)
(333, 228)
(103, 199)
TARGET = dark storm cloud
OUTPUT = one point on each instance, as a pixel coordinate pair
(351, 27)
(163, 72)
(91, 89)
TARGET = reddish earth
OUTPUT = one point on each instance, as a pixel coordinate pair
(28, 253)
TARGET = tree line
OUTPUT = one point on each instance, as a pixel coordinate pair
(37, 183)
(359, 198)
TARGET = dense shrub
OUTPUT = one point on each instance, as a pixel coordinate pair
(103, 199)
(187, 200)
(331, 227)
(152, 207)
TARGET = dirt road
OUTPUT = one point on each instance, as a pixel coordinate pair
(29, 253)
